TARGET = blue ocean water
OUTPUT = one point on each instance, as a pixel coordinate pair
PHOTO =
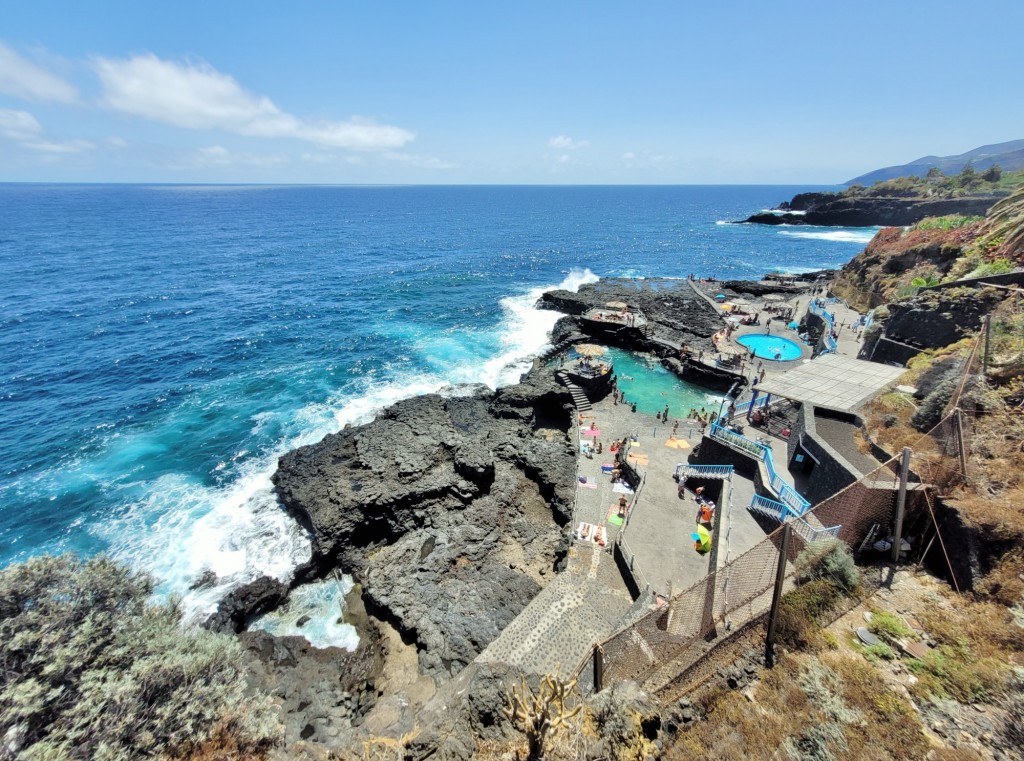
(162, 345)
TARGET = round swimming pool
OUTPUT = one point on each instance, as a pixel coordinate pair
(771, 347)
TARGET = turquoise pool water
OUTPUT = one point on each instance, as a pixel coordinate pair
(771, 347)
(651, 386)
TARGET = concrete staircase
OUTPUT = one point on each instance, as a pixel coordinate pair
(579, 396)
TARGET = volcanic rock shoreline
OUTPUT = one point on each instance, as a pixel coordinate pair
(835, 209)
(451, 511)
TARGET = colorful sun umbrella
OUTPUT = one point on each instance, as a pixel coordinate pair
(701, 540)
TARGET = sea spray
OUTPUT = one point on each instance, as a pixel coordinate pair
(181, 530)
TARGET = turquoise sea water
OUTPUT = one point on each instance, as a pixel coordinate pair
(162, 345)
(644, 381)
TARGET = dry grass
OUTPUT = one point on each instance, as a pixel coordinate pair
(737, 729)
(833, 701)
(978, 643)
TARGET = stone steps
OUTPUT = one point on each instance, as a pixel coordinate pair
(579, 397)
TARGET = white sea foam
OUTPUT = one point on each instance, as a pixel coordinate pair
(838, 236)
(179, 529)
(524, 331)
(783, 211)
(794, 270)
(323, 603)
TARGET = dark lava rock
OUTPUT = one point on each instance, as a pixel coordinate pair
(675, 312)
(430, 504)
(466, 711)
(323, 693)
(939, 317)
(866, 211)
(245, 602)
(206, 580)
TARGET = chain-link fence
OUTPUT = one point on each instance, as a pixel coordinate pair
(668, 643)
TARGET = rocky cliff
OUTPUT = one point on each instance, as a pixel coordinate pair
(838, 209)
(894, 257)
(675, 312)
(448, 510)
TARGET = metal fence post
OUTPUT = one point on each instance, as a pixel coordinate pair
(598, 668)
(901, 503)
(984, 358)
(773, 616)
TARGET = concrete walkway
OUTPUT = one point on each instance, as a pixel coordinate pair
(590, 601)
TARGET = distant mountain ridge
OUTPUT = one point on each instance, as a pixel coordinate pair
(1009, 156)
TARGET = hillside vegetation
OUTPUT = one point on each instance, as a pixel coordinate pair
(91, 669)
(935, 184)
(899, 260)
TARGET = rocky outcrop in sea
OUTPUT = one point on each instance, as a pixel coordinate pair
(674, 310)
(449, 510)
(836, 209)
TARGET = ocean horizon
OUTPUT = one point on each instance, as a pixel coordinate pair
(164, 344)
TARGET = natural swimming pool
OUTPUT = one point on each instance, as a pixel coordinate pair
(771, 347)
(651, 386)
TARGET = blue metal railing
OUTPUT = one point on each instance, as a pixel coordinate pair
(782, 512)
(742, 407)
(714, 471)
(787, 494)
(770, 507)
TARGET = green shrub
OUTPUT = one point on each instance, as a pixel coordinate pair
(830, 560)
(879, 652)
(888, 624)
(951, 222)
(90, 669)
(928, 415)
(994, 267)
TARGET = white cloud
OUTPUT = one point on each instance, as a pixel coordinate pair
(19, 125)
(628, 156)
(23, 79)
(197, 96)
(566, 143)
(23, 128)
(423, 162)
(218, 155)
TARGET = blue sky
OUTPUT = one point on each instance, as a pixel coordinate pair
(491, 92)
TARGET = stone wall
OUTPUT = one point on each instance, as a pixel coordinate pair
(831, 472)
(888, 351)
(711, 452)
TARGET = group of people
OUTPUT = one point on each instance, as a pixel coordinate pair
(705, 508)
